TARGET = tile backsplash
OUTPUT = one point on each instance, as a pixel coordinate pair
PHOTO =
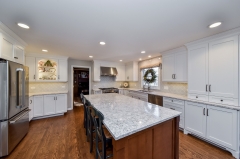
(109, 81)
(43, 87)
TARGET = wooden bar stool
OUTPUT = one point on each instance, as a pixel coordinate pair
(102, 135)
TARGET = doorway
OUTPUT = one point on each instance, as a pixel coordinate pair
(81, 84)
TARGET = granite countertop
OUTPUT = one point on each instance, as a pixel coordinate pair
(125, 115)
(185, 98)
(43, 93)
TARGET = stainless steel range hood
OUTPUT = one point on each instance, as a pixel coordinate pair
(108, 71)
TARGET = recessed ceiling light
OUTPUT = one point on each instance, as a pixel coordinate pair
(159, 58)
(91, 56)
(120, 60)
(215, 25)
(143, 52)
(44, 50)
(102, 43)
(149, 56)
(140, 59)
(23, 25)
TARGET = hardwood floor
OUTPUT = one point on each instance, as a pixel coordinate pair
(64, 137)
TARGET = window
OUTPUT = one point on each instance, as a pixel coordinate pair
(155, 85)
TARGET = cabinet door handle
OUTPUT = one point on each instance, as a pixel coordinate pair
(58, 76)
(172, 108)
(172, 76)
(56, 98)
(209, 88)
(203, 111)
(206, 88)
(207, 112)
(34, 76)
(16, 57)
(30, 101)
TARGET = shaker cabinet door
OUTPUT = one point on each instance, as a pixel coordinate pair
(198, 70)
(61, 103)
(38, 106)
(30, 62)
(223, 68)
(49, 104)
(222, 126)
(63, 70)
(180, 67)
(195, 118)
(168, 68)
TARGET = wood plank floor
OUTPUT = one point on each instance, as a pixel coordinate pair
(64, 137)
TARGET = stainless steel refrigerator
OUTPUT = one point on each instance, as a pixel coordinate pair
(14, 102)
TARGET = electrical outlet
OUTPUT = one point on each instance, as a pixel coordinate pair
(166, 87)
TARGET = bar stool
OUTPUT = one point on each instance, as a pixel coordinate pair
(102, 135)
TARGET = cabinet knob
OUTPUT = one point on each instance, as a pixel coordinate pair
(221, 100)
(196, 96)
(172, 100)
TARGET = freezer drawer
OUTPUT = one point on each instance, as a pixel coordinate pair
(12, 132)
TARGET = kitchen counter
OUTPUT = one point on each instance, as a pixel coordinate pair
(182, 97)
(45, 93)
(125, 116)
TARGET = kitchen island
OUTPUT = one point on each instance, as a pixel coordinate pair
(140, 130)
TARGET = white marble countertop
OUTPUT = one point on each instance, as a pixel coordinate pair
(185, 98)
(124, 115)
(43, 93)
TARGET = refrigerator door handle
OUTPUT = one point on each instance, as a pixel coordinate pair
(19, 105)
(19, 117)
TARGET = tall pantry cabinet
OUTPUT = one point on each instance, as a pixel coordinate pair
(213, 70)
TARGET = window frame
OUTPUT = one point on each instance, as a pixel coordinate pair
(151, 87)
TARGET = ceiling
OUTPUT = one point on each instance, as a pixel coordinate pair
(75, 28)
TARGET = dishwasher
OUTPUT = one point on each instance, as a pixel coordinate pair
(154, 99)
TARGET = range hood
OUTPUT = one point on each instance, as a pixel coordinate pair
(108, 71)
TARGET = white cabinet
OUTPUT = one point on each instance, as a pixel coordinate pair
(61, 103)
(195, 118)
(49, 104)
(18, 55)
(38, 106)
(10, 49)
(121, 73)
(131, 70)
(198, 71)
(218, 125)
(177, 105)
(121, 91)
(96, 71)
(62, 70)
(58, 72)
(31, 63)
(174, 67)
(222, 126)
(31, 100)
(126, 92)
(213, 71)
(223, 68)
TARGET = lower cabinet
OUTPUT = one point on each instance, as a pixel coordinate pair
(45, 105)
(138, 95)
(216, 124)
(177, 105)
(121, 91)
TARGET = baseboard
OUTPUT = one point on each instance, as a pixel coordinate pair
(47, 116)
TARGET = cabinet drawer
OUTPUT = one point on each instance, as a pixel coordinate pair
(174, 107)
(223, 100)
(172, 100)
(198, 97)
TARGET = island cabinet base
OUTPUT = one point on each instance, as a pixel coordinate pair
(158, 142)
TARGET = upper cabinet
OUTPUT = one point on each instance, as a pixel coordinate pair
(96, 70)
(174, 66)
(11, 46)
(47, 69)
(213, 70)
(131, 70)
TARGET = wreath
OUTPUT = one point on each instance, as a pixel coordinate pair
(150, 76)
